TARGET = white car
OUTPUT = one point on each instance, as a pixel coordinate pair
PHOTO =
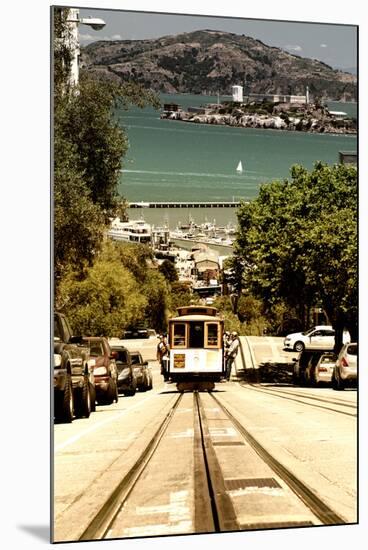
(318, 337)
(320, 368)
(346, 371)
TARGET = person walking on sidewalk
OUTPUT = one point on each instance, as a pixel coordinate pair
(232, 353)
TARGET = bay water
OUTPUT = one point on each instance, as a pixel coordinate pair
(179, 161)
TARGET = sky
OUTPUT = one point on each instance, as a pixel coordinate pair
(335, 45)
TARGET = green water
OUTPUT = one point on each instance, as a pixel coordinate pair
(171, 160)
(177, 161)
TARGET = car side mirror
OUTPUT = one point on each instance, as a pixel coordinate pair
(294, 359)
(145, 363)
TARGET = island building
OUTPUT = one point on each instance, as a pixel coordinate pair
(237, 93)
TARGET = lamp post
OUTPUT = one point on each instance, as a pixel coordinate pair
(73, 22)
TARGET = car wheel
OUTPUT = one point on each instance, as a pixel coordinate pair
(339, 384)
(64, 404)
(110, 394)
(92, 392)
(83, 408)
(299, 346)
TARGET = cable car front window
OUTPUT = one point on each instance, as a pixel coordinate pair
(179, 335)
(212, 334)
(196, 335)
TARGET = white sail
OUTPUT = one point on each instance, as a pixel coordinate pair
(239, 168)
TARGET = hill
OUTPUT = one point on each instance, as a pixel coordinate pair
(212, 61)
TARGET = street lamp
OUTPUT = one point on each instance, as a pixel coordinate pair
(74, 21)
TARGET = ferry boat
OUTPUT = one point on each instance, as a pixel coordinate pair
(134, 231)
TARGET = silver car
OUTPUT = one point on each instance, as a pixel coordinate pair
(345, 372)
(320, 368)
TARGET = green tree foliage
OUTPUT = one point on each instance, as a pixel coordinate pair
(78, 222)
(105, 302)
(298, 243)
(115, 294)
(168, 270)
(88, 150)
(181, 295)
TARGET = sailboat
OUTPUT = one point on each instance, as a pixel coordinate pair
(239, 168)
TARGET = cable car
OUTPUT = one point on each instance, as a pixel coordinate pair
(196, 358)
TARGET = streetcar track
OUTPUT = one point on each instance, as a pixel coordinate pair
(308, 396)
(101, 523)
(319, 508)
(277, 392)
(223, 511)
(289, 397)
(214, 510)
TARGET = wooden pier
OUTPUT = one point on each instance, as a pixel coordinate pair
(192, 204)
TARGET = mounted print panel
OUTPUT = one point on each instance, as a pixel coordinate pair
(205, 274)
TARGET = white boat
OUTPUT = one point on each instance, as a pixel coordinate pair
(134, 231)
(239, 168)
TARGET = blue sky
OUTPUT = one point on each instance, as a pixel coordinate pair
(335, 45)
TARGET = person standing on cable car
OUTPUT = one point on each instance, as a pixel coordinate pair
(232, 352)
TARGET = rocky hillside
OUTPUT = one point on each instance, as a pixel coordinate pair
(212, 61)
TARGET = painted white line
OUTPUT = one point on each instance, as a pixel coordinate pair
(177, 508)
(94, 427)
(188, 433)
(269, 491)
(223, 432)
(158, 529)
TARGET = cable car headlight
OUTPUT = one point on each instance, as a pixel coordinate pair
(179, 361)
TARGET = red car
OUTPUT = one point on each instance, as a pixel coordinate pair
(104, 370)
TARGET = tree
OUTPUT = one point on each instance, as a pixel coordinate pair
(298, 243)
(105, 302)
(88, 149)
(168, 270)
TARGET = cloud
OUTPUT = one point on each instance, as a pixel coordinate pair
(293, 47)
(323, 46)
(86, 37)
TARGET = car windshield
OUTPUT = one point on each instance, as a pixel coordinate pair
(309, 331)
(328, 358)
(96, 349)
(121, 355)
(135, 359)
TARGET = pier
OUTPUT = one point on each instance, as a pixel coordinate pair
(192, 204)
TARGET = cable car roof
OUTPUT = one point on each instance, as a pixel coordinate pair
(183, 318)
(197, 310)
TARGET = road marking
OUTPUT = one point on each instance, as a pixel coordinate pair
(270, 491)
(177, 508)
(188, 433)
(223, 432)
(75, 438)
(158, 529)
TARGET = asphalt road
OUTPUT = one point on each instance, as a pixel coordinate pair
(311, 431)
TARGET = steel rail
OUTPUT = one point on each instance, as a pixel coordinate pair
(104, 518)
(223, 512)
(319, 508)
(289, 397)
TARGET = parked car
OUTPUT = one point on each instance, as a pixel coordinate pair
(74, 391)
(345, 372)
(135, 333)
(105, 369)
(320, 337)
(127, 377)
(320, 368)
(301, 364)
(142, 371)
